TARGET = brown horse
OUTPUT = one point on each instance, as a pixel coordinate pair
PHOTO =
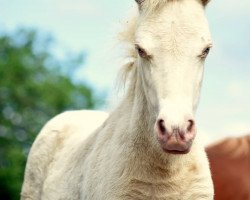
(230, 166)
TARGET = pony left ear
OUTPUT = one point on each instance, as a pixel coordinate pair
(139, 1)
(205, 2)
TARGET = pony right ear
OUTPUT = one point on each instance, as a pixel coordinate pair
(205, 2)
(139, 3)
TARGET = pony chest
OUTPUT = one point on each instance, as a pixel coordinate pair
(143, 190)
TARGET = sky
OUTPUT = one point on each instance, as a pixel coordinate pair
(91, 26)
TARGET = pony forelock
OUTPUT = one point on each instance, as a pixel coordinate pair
(150, 5)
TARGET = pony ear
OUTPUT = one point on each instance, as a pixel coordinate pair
(205, 2)
(139, 1)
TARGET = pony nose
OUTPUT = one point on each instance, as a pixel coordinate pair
(175, 139)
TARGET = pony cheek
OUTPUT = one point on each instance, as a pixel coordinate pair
(149, 86)
(152, 95)
(197, 92)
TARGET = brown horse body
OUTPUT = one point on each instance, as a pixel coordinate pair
(230, 165)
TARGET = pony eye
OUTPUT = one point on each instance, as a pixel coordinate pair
(205, 52)
(142, 53)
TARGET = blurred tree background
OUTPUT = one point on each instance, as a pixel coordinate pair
(35, 85)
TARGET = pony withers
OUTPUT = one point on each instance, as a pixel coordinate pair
(147, 147)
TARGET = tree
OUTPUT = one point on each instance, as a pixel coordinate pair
(34, 86)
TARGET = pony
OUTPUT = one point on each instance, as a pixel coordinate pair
(230, 166)
(147, 148)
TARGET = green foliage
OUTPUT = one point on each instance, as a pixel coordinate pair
(34, 86)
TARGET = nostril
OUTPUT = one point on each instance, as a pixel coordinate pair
(161, 126)
(191, 125)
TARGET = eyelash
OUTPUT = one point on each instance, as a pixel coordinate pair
(205, 52)
(141, 51)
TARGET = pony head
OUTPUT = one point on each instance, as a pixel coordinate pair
(172, 41)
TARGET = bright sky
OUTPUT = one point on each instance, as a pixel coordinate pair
(91, 26)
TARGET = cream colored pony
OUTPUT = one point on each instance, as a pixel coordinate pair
(146, 149)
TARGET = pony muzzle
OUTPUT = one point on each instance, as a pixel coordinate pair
(175, 140)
